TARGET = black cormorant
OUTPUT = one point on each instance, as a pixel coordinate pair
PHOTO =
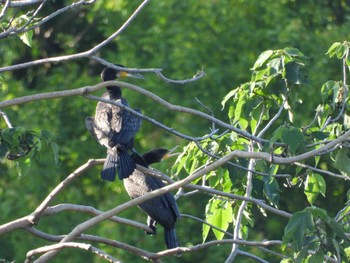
(115, 128)
(161, 209)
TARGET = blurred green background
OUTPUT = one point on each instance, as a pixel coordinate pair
(223, 38)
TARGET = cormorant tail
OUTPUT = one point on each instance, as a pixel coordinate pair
(109, 170)
(126, 165)
(170, 238)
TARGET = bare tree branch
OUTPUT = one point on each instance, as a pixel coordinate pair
(93, 211)
(82, 246)
(18, 3)
(4, 9)
(41, 208)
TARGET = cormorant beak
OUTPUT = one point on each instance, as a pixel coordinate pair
(123, 74)
(171, 153)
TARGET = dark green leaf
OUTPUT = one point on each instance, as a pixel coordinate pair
(320, 135)
(298, 226)
(277, 64)
(342, 161)
(271, 190)
(4, 149)
(294, 52)
(315, 258)
(294, 73)
(292, 136)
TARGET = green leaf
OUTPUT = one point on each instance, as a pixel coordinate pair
(205, 232)
(342, 161)
(289, 135)
(4, 149)
(27, 38)
(323, 112)
(54, 148)
(228, 96)
(262, 59)
(315, 258)
(314, 185)
(332, 50)
(341, 51)
(294, 52)
(271, 190)
(298, 226)
(219, 214)
(319, 135)
(294, 73)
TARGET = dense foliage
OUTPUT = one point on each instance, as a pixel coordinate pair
(292, 100)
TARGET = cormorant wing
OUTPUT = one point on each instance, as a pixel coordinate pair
(130, 126)
(98, 134)
(167, 207)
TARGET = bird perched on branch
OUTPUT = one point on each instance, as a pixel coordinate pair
(161, 209)
(115, 128)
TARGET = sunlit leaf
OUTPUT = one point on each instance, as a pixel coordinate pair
(219, 214)
(27, 38)
(262, 59)
(314, 185)
(332, 50)
(228, 96)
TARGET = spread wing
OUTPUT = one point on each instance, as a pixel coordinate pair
(97, 133)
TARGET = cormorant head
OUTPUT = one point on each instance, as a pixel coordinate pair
(111, 74)
(157, 155)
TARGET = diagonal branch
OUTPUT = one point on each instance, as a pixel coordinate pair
(82, 246)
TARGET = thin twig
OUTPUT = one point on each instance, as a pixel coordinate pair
(6, 119)
(269, 124)
(19, 3)
(4, 9)
(321, 171)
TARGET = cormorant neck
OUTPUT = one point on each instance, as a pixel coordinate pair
(154, 156)
(114, 92)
